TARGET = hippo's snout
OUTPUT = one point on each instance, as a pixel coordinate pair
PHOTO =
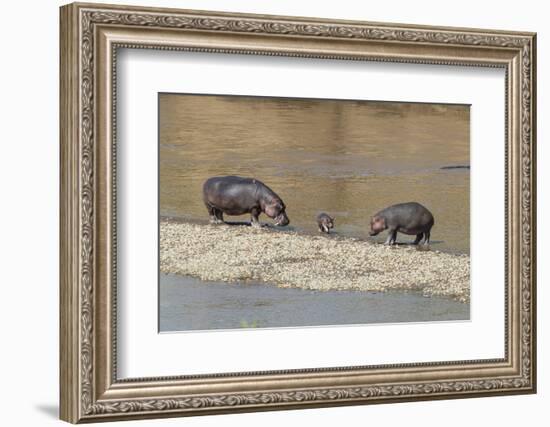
(282, 220)
(373, 233)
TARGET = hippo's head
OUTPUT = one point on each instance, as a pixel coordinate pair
(327, 223)
(275, 209)
(377, 225)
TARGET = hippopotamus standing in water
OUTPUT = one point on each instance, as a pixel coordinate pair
(234, 195)
(408, 218)
(325, 222)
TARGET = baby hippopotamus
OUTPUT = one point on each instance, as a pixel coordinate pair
(325, 222)
(408, 218)
(235, 195)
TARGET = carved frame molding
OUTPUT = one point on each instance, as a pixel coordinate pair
(90, 37)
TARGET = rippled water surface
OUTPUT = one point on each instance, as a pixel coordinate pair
(347, 158)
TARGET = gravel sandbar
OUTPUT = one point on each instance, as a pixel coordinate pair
(287, 259)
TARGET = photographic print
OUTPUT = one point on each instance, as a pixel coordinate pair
(292, 212)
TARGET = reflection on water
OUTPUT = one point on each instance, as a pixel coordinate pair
(347, 158)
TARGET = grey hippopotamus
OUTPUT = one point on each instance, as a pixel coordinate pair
(409, 218)
(234, 195)
(325, 222)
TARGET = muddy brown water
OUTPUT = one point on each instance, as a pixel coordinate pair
(347, 158)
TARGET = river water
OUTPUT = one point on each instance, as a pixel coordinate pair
(188, 304)
(347, 158)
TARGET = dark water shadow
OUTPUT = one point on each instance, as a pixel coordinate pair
(404, 244)
(455, 167)
(418, 247)
(237, 223)
(48, 409)
(422, 247)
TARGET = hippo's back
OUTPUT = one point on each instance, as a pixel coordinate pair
(411, 213)
(225, 182)
(231, 192)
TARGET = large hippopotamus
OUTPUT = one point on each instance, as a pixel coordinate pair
(408, 218)
(234, 195)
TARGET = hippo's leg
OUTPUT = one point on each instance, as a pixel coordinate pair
(427, 238)
(219, 215)
(392, 237)
(254, 221)
(211, 213)
(418, 238)
(216, 216)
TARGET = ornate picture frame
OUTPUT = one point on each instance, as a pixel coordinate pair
(90, 37)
